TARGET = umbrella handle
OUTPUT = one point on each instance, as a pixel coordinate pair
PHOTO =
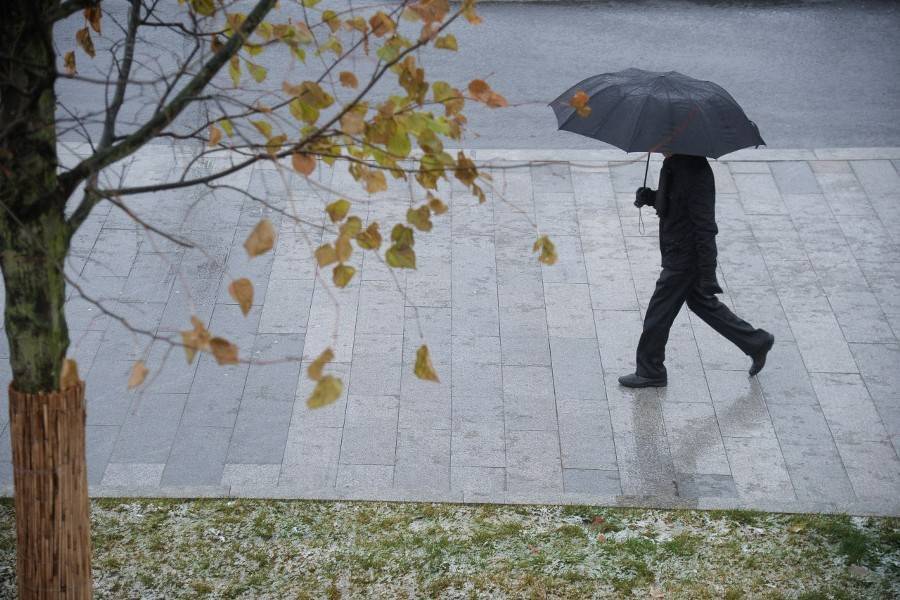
(646, 168)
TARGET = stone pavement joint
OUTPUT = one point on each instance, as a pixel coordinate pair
(528, 409)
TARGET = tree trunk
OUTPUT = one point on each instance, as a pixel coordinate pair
(47, 425)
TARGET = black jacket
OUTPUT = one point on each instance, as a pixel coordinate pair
(686, 204)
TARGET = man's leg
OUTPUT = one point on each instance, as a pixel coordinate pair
(671, 290)
(750, 340)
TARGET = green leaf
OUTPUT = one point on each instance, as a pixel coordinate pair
(370, 239)
(402, 236)
(234, 69)
(446, 42)
(257, 72)
(420, 218)
(264, 127)
(303, 112)
(399, 144)
(400, 258)
(207, 8)
(342, 274)
(227, 126)
(547, 250)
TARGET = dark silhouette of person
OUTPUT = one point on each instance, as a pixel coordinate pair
(686, 204)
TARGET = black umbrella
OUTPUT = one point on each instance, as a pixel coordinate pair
(646, 111)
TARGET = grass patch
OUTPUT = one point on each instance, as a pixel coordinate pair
(305, 549)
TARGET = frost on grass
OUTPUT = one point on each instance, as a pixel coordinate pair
(300, 549)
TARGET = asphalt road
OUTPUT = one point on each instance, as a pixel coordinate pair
(810, 74)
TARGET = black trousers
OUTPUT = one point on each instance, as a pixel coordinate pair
(673, 289)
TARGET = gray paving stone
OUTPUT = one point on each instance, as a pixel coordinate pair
(310, 444)
(585, 435)
(308, 476)
(197, 457)
(577, 373)
(533, 462)
(287, 306)
(800, 424)
(380, 308)
(195, 298)
(794, 177)
(817, 473)
(425, 404)
(842, 190)
(370, 432)
(873, 469)
(143, 475)
(245, 475)
(821, 342)
(260, 432)
(435, 333)
(860, 316)
(478, 441)
(569, 312)
(99, 443)
(332, 322)
(705, 485)
(365, 478)
(528, 398)
(759, 194)
(215, 394)
(784, 379)
(423, 460)
(848, 408)
(758, 468)
(878, 366)
(618, 333)
(149, 429)
(694, 439)
(592, 481)
(483, 480)
(555, 212)
(474, 287)
(569, 268)
(376, 365)
(740, 408)
(552, 177)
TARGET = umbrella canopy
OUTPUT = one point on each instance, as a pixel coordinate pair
(646, 111)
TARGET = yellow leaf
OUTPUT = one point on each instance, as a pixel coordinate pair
(83, 37)
(261, 239)
(423, 368)
(482, 92)
(204, 7)
(348, 79)
(351, 226)
(92, 15)
(579, 102)
(370, 239)
(227, 126)
(317, 366)
(138, 374)
(257, 72)
(327, 390)
(353, 123)
(224, 351)
(69, 62)
(420, 218)
(303, 163)
(400, 257)
(381, 24)
(547, 250)
(195, 339)
(275, 143)
(234, 70)
(465, 169)
(215, 135)
(68, 376)
(303, 111)
(342, 274)
(446, 42)
(325, 255)
(342, 248)
(242, 291)
(264, 127)
(402, 236)
(375, 181)
(337, 210)
(436, 206)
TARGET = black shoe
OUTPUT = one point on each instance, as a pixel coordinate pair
(636, 381)
(759, 359)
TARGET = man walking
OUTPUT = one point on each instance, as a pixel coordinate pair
(685, 202)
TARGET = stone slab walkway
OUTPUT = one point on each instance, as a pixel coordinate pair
(528, 408)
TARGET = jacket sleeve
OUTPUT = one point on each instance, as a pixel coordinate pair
(702, 211)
